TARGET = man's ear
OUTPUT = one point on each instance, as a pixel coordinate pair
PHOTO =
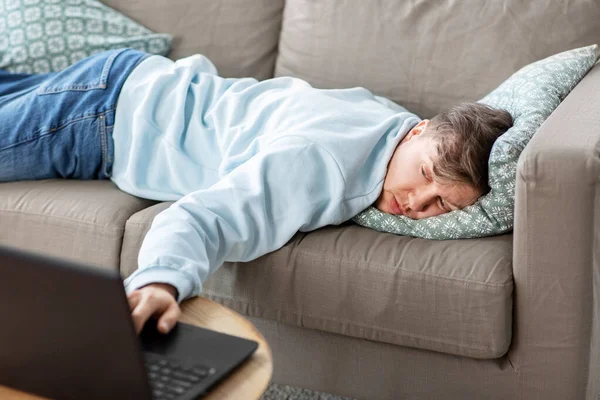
(416, 131)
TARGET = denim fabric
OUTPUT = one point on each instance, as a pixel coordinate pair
(59, 125)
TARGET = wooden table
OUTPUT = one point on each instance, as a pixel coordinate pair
(249, 381)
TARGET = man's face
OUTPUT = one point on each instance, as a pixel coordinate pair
(409, 188)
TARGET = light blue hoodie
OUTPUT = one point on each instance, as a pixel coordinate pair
(249, 163)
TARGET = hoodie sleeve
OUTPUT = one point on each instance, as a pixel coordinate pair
(292, 185)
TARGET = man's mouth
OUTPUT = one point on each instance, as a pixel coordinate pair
(396, 208)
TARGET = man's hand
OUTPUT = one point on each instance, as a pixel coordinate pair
(155, 299)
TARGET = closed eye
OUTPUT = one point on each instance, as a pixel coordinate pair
(423, 172)
(443, 205)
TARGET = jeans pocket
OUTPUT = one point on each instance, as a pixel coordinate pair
(81, 149)
(90, 73)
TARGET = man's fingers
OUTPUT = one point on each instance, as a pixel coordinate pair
(148, 302)
(169, 318)
(133, 299)
(141, 313)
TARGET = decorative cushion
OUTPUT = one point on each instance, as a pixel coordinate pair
(40, 36)
(529, 95)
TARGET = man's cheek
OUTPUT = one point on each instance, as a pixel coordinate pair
(432, 212)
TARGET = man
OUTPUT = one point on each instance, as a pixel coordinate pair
(247, 163)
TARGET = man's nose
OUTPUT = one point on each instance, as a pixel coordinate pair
(419, 200)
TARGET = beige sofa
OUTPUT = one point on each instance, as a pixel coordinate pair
(365, 314)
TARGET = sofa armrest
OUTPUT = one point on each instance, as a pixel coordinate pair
(556, 333)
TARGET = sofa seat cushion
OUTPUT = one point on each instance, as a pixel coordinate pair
(451, 296)
(82, 221)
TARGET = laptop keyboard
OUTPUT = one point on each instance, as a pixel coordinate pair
(169, 379)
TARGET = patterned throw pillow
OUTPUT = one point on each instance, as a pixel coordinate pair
(530, 95)
(39, 36)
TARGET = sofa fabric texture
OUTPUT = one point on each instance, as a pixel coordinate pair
(239, 36)
(549, 267)
(83, 221)
(368, 370)
(556, 264)
(428, 55)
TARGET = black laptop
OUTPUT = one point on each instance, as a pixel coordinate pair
(66, 333)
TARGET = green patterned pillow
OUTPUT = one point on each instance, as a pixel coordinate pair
(39, 36)
(530, 95)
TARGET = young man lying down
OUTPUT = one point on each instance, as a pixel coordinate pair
(247, 163)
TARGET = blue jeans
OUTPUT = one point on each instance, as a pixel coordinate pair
(59, 125)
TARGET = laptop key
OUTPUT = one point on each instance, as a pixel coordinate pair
(200, 371)
(173, 364)
(175, 390)
(186, 377)
(163, 363)
(181, 383)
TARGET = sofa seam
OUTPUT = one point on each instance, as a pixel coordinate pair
(215, 294)
(382, 267)
(3, 210)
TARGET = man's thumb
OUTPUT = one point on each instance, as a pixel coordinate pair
(169, 318)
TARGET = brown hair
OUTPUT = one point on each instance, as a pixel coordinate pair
(465, 135)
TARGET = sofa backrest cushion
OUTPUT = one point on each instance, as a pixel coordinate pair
(427, 55)
(239, 36)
